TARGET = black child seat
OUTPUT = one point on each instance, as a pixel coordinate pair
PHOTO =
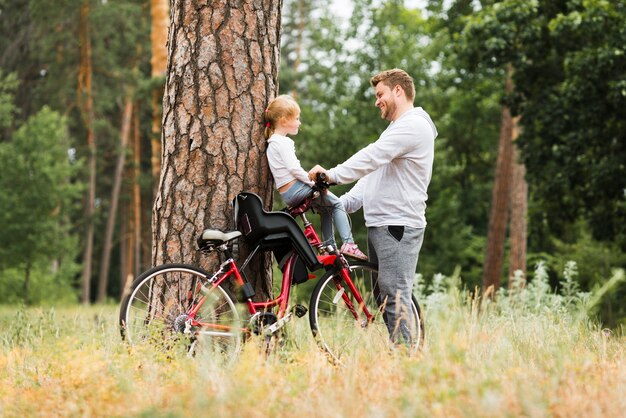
(276, 231)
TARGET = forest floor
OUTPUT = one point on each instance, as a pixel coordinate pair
(513, 361)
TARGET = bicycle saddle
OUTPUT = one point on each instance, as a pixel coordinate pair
(217, 237)
(271, 229)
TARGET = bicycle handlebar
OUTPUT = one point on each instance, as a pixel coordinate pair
(321, 181)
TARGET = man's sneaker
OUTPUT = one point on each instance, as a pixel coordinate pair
(352, 250)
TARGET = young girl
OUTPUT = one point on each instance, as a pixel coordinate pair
(283, 118)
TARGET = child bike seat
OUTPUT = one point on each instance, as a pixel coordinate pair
(271, 229)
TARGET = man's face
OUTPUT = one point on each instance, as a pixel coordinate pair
(385, 101)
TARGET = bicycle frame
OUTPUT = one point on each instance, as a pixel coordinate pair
(230, 270)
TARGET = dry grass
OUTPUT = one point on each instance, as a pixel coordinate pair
(69, 362)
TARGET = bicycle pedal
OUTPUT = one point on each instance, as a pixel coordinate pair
(299, 310)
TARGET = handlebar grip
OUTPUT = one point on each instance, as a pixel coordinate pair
(321, 177)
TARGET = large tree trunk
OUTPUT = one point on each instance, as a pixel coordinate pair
(103, 280)
(223, 70)
(494, 254)
(85, 100)
(519, 209)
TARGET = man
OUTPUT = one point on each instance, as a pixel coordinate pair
(394, 174)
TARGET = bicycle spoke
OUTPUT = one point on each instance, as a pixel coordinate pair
(340, 323)
(158, 311)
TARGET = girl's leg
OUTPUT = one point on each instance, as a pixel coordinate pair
(332, 212)
(326, 217)
(296, 193)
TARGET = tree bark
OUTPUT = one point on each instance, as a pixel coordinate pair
(85, 100)
(519, 209)
(223, 70)
(115, 196)
(494, 253)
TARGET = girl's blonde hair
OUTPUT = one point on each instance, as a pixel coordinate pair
(283, 106)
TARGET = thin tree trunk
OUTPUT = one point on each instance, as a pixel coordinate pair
(85, 99)
(127, 253)
(115, 195)
(298, 50)
(159, 13)
(146, 230)
(519, 209)
(223, 70)
(136, 202)
(124, 234)
(27, 271)
(494, 254)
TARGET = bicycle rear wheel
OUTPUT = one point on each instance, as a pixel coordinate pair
(158, 311)
(339, 325)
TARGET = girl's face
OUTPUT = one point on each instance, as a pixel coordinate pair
(290, 125)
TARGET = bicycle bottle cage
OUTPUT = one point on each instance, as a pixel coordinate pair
(275, 231)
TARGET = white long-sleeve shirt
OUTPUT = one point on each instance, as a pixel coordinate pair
(285, 166)
(394, 173)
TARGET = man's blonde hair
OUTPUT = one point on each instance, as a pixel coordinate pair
(396, 77)
(283, 106)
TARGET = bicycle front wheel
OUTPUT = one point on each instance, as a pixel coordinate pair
(174, 305)
(339, 324)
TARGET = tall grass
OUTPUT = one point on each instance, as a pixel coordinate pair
(527, 352)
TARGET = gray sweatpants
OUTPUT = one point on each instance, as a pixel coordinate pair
(396, 253)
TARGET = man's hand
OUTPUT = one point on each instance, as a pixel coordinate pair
(315, 171)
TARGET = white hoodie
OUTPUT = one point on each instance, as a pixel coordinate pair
(394, 173)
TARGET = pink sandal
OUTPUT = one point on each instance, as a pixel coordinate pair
(350, 249)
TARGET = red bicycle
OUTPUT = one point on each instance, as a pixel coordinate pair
(179, 302)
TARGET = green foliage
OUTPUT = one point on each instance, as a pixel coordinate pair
(38, 194)
(41, 44)
(530, 299)
(8, 84)
(574, 129)
(569, 65)
(595, 261)
(50, 283)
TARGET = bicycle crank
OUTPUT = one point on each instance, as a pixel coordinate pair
(273, 329)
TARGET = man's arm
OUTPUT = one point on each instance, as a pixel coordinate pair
(353, 199)
(396, 141)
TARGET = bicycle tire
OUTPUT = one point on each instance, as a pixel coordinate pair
(154, 312)
(334, 327)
